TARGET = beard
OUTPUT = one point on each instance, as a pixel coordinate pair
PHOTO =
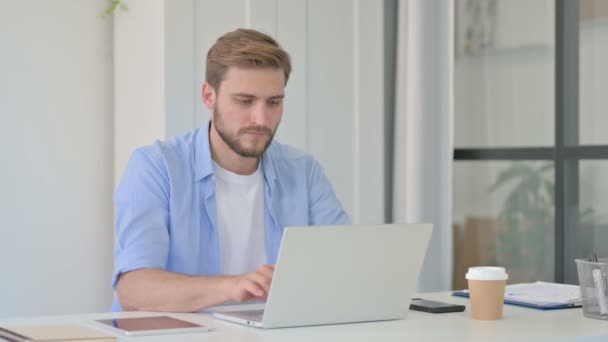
(233, 139)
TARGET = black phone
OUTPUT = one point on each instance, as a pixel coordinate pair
(432, 306)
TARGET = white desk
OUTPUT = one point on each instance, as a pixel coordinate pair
(518, 324)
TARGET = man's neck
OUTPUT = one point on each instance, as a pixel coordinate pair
(229, 160)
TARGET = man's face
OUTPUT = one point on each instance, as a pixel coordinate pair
(247, 108)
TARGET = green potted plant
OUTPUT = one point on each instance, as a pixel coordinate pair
(525, 241)
(115, 5)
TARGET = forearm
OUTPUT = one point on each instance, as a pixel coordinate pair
(157, 290)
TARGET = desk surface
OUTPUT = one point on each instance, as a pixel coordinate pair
(518, 324)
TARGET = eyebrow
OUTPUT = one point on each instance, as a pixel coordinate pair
(275, 97)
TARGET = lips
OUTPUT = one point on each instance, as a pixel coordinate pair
(262, 131)
(255, 133)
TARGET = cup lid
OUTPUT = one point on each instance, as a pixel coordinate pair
(487, 273)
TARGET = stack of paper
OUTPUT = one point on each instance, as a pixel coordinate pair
(540, 295)
(544, 294)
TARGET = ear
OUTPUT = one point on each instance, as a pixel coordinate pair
(209, 95)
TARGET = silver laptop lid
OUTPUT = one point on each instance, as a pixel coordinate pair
(339, 274)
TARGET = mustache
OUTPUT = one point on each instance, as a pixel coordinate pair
(259, 129)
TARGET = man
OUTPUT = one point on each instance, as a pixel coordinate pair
(200, 217)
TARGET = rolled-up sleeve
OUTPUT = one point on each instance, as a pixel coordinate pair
(142, 214)
(325, 208)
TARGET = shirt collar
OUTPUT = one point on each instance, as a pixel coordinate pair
(204, 164)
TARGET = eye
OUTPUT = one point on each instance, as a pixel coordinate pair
(244, 101)
(275, 102)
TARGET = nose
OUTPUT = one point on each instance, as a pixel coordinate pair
(259, 114)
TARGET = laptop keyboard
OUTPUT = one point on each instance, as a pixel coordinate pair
(252, 315)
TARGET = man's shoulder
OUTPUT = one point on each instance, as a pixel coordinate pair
(291, 160)
(173, 149)
(283, 153)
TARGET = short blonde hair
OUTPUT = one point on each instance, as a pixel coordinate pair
(244, 48)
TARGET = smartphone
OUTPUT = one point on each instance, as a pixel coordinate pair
(432, 306)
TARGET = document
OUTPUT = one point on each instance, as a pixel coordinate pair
(51, 333)
(540, 295)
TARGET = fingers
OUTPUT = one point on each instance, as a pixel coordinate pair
(266, 270)
(261, 280)
(255, 284)
(245, 289)
(253, 288)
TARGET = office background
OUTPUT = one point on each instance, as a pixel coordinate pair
(530, 171)
(381, 93)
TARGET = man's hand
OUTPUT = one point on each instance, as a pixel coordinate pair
(150, 289)
(254, 285)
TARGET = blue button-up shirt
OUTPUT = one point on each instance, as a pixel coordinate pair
(166, 210)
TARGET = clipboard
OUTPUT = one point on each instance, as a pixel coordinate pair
(544, 306)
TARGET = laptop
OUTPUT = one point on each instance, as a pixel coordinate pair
(341, 274)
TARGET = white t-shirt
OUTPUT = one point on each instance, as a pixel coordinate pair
(240, 220)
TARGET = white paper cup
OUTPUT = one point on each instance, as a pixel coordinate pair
(487, 291)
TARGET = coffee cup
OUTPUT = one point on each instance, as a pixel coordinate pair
(487, 291)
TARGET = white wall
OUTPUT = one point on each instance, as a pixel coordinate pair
(139, 75)
(56, 148)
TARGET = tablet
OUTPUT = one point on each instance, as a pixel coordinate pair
(137, 326)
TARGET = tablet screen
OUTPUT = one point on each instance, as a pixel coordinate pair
(140, 324)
